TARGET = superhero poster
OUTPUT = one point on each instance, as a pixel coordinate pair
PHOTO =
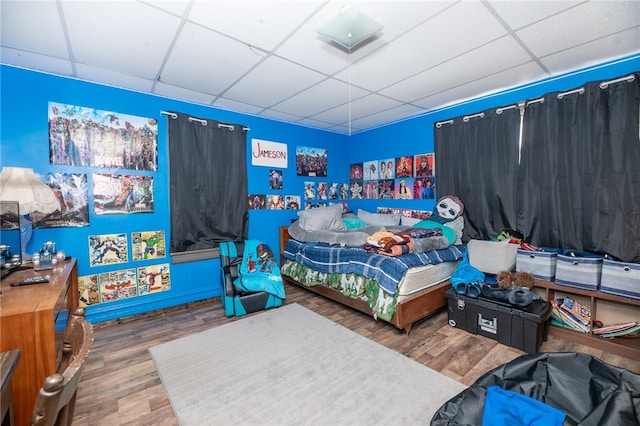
(153, 279)
(72, 192)
(88, 291)
(148, 245)
(116, 285)
(108, 249)
(311, 161)
(257, 201)
(122, 194)
(88, 137)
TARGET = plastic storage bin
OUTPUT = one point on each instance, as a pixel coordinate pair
(524, 329)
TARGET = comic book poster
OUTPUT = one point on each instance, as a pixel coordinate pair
(334, 193)
(309, 206)
(257, 201)
(404, 166)
(355, 171)
(309, 190)
(153, 279)
(108, 249)
(275, 179)
(403, 189)
(370, 170)
(323, 191)
(88, 137)
(311, 161)
(275, 202)
(424, 188)
(122, 194)
(424, 165)
(88, 291)
(148, 245)
(116, 285)
(72, 190)
(292, 202)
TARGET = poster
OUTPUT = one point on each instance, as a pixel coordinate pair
(424, 165)
(148, 245)
(108, 249)
(257, 201)
(269, 154)
(153, 279)
(292, 202)
(122, 194)
(88, 137)
(88, 291)
(72, 190)
(311, 161)
(116, 285)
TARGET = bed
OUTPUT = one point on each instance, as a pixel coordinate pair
(411, 294)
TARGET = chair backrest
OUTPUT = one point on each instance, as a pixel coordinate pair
(56, 400)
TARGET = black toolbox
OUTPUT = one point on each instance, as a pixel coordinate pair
(523, 329)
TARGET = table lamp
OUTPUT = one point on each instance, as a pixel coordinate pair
(21, 185)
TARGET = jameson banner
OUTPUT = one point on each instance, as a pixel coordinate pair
(267, 153)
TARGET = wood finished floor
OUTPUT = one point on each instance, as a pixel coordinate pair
(120, 385)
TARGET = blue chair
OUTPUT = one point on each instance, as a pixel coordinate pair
(251, 279)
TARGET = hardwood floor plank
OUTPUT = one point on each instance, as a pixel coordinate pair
(120, 385)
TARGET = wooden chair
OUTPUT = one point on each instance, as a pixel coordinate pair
(56, 400)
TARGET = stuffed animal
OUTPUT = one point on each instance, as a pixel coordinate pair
(509, 280)
(447, 209)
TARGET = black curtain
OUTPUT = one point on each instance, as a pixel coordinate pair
(208, 183)
(579, 178)
(477, 160)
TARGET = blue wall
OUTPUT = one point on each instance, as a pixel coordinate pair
(24, 143)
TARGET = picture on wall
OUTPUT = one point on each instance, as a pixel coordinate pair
(416, 214)
(344, 191)
(275, 179)
(257, 201)
(424, 188)
(403, 189)
(108, 249)
(148, 245)
(385, 189)
(385, 168)
(309, 190)
(116, 285)
(323, 191)
(311, 161)
(424, 165)
(334, 194)
(9, 215)
(370, 189)
(154, 279)
(356, 190)
(404, 166)
(355, 171)
(88, 292)
(275, 202)
(72, 190)
(122, 194)
(88, 137)
(370, 170)
(292, 202)
(309, 206)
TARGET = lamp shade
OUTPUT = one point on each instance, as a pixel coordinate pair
(350, 27)
(22, 185)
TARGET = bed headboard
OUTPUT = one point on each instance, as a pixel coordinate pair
(284, 238)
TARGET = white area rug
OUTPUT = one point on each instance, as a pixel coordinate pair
(291, 366)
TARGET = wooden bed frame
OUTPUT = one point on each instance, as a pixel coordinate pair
(408, 311)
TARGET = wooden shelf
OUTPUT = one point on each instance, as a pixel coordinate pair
(627, 347)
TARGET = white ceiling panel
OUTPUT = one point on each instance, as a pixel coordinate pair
(265, 57)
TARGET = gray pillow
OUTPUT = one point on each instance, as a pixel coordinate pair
(347, 238)
(323, 218)
(379, 219)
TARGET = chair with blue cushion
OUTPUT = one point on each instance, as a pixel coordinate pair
(251, 279)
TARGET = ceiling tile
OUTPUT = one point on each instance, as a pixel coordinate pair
(518, 14)
(230, 105)
(181, 93)
(321, 97)
(112, 78)
(137, 45)
(36, 61)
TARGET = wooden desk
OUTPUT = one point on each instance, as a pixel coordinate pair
(8, 362)
(27, 322)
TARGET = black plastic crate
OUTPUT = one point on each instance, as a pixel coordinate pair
(523, 329)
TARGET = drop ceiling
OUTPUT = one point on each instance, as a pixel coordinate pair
(265, 58)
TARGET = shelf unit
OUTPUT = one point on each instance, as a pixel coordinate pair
(627, 347)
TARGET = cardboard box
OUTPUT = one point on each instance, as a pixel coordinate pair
(524, 329)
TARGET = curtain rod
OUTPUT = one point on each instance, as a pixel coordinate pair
(440, 123)
(201, 121)
(571, 92)
(469, 117)
(628, 79)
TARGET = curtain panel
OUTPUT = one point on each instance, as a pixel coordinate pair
(207, 183)
(477, 160)
(579, 179)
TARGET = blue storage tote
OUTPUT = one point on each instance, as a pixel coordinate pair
(621, 278)
(541, 264)
(579, 269)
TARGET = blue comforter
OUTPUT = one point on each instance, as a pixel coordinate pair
(387, 271)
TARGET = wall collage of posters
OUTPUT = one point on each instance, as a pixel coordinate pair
(90, 138)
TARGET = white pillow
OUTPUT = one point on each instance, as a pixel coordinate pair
(323, 218)
(392, 219)
(409, 221)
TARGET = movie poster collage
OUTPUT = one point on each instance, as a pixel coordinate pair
(89, 138)
(411, 177)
